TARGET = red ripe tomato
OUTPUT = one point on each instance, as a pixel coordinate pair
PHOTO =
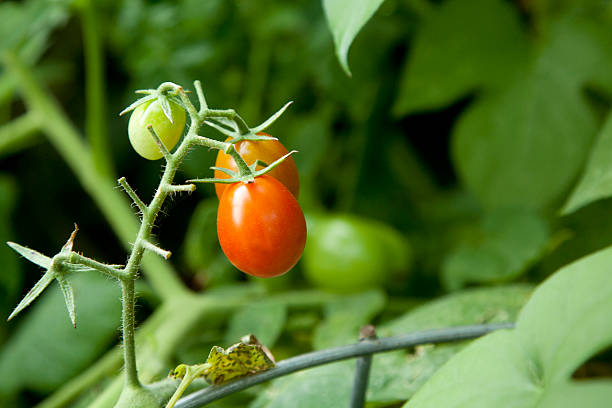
(261, 227)
(267, 151)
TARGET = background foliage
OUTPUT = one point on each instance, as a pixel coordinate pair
(478, 129)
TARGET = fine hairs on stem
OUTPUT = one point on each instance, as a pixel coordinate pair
(71, 261)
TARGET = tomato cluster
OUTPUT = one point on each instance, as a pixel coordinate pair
(260, 224)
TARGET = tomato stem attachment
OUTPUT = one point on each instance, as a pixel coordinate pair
(156, 250)
(162, 147)
(201, 98)
(130, 192)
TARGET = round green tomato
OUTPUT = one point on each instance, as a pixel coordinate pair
(345, 253)
(151, 113)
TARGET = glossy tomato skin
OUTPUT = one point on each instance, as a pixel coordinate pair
(261, 227)
(267, 151)
(151, 113)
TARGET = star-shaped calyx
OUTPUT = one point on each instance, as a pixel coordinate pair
(53, 270)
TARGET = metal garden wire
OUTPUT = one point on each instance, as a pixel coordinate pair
(362, 350)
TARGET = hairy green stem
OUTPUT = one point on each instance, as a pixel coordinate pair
(169, 323)
(68, 142)
(128, 324)
(76, 258)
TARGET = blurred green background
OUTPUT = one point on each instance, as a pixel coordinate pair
(460, 138)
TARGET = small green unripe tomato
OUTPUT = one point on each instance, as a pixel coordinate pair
(151, 113)
(346, 253)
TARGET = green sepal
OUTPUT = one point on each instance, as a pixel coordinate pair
(250, 136)
(237, 178)
(165, 105)
(231, 180)
(224, 170)
(31, 255)
(221, 129)
(67, 248)
(273, 165)
(68, 296)
(38, 288)
(53, 271)
(136, 104)
(258, 163)
(145, 91)
(271, 119)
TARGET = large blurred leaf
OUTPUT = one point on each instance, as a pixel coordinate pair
(45, 350)
(345, 316)
(596, 182)
(345, 18)
(565, 322)
(326, 386)
(578, 394)
(523, 146)
(397, 376)
(495, 304)
(507, 243)
(460, 47)
(265, 320)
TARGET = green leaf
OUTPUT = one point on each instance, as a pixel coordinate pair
(395, 376)
(508, 243)
(502, 139)
(592, 394)
(474, 306)
(491, 372)
(345, 19)
(596, 182)
(265, 320)
(326, 386)
(565, 322)
(345, 316)
(462, 46)
(567, 319)
(44, 351)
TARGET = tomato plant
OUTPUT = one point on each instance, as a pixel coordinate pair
(151, 113)
(261, 227)
(267, 151)
(347, 253)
